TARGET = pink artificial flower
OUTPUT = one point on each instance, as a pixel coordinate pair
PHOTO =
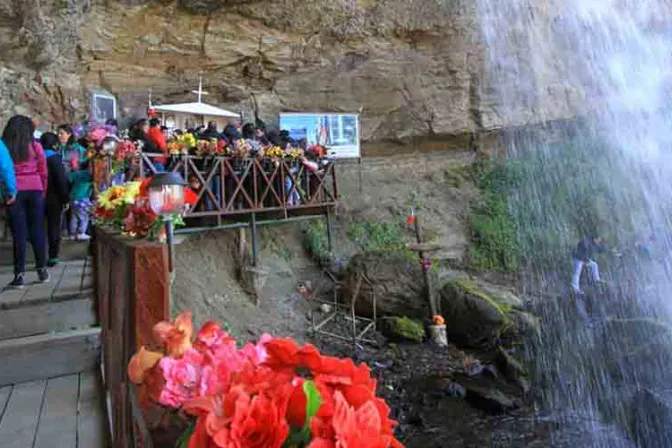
(257, 353)
(97, 136)
(183, 378)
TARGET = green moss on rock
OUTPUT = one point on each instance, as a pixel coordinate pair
(403, 328)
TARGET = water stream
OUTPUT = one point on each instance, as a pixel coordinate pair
(597, 73)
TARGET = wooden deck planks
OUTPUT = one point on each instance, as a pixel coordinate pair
(20, 419)
(36, 291)
(46, 318)
(49, 355)
(70, 283)
(57, 426)
(66, 283)
(61, 412)
(91, 420)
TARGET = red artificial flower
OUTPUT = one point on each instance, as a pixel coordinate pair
(176, 336)
(352, 428)
(244, 420)
(283, 353)
(144, 187)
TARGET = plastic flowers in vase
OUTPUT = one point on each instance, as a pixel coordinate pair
(126, 208)
(270, 395)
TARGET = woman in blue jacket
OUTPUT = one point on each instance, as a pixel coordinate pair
(7, 176)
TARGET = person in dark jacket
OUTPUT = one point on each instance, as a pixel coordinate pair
(211, 132)
(583, 256)
(58, 195)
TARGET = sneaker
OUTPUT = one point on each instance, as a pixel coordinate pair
(578, 292)
(43, 275)
(19, 282)
(53, 262)
(83, 237)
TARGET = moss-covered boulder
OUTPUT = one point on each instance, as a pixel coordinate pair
(403, 329)
(396, 280)
(476, 315)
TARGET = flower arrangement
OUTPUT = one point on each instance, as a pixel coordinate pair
(317, 151)
(242, 149)
(211, 147)
(126, 208)
(181, 145)
(294, 153)
(270, 395)
(273, 152)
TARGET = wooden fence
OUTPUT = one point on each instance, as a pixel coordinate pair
(230, 186)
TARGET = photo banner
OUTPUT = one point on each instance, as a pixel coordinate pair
(339, 133)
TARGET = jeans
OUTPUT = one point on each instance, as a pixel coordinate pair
(293, 196)
(79, 221)
(578, 269)
(54, 223)
(26, 220)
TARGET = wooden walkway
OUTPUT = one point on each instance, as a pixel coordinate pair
(62, 412)
(68, 280)
(50, 391)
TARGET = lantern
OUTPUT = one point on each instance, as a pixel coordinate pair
(166, 198)
(166, 194)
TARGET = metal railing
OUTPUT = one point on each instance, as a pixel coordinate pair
(229, 186)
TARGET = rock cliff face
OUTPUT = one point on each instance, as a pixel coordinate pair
(412, 68)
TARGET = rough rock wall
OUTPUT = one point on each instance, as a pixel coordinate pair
(410, 67)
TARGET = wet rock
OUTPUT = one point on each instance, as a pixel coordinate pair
(396, 280)
(474, 316)
(489, 399)
(403, 329)
(650, 419)
(455, 389)
(508, 365)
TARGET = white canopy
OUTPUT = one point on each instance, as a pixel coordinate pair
(196, 109)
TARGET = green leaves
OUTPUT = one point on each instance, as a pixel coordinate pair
(299, 437)
(313, 401)
(183, 441)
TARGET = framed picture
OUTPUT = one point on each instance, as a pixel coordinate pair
(103, 107)
(339, 133)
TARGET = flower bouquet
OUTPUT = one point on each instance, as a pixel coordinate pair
(317, 151)
(181, 145)
(294, 153)
(124, 154)
(273, 152)
(126, 208)
(242, 149)
(270, 395)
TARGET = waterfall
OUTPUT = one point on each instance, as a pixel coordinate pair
(590, 82)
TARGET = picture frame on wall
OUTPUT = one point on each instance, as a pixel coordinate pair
(339, 133)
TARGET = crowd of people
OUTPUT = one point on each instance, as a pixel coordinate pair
(46, 183)
(42, 181)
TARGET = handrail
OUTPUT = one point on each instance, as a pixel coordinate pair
(227, 186)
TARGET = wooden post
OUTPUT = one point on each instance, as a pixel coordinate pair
(330, 231)
(426, 266)
(255, 242)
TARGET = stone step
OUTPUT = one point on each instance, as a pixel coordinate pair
(49, 355)
(35, 318)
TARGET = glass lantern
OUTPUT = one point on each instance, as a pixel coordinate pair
(166, 194)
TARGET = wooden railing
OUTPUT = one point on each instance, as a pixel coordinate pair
(132, 295)
(230, 186)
